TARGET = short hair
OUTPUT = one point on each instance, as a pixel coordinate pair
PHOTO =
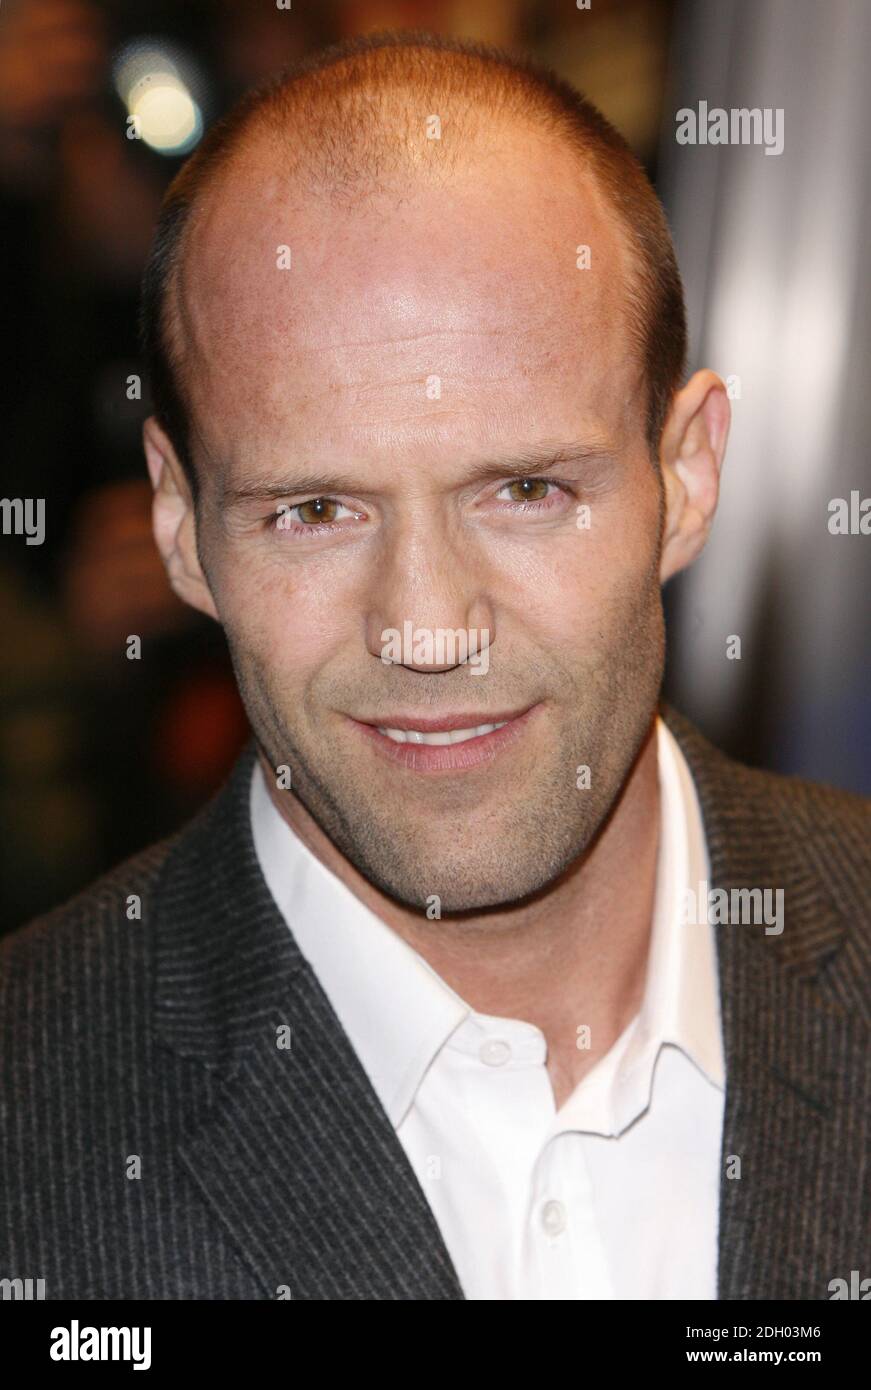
(354, 114)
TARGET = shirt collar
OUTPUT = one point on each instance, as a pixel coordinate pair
(682, 998)
(398, 1013)
(681, 1001)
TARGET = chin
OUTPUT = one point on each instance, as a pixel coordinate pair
(455, 889)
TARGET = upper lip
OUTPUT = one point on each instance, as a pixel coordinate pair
(434, 724)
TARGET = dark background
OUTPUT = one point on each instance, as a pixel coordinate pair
(100, 755)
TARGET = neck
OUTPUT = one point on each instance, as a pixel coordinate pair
(574, 956)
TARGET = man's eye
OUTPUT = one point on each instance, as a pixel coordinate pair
(317, 511)
(528, 489)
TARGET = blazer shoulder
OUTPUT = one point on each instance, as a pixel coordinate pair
(101, 945)
(823, 830)
(110, 907)
(814, 808)
(740, 791)
(793, 828)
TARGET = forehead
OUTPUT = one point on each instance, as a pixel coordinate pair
(430, 316)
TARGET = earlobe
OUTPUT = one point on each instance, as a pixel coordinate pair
(691, 454)
(174, 520)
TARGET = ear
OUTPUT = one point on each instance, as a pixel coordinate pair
(173, 520)
(691, 456)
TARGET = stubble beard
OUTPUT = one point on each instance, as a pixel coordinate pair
(477, 853)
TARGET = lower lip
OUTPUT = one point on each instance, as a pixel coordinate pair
(448, 757)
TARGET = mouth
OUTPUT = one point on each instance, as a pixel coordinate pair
(447, 743)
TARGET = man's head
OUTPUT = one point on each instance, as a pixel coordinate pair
(393, 388)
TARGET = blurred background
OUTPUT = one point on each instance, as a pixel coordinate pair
(100, 754)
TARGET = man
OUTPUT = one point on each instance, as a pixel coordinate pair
(439, 997)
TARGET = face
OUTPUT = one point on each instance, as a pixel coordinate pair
(432, 422)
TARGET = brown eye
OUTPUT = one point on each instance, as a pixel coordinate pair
(317, 509)
(528, 489)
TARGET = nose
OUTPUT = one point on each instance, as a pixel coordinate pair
(428, 605)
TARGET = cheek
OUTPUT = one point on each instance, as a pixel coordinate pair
(588, 578)
(285, 621)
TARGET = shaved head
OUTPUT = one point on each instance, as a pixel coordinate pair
(370, 122)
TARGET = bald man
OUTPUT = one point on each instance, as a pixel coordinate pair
(483, 977)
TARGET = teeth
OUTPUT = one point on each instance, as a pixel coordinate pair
(442, 737)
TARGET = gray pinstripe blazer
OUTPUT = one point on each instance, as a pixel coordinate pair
(155, 1143)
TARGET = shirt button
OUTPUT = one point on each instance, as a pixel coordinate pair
(553, 1218)
(495, 1052)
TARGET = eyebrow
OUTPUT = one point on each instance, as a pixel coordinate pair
(531, 461)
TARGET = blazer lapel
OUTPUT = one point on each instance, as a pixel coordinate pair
(798, 1084)
(298, 1161)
